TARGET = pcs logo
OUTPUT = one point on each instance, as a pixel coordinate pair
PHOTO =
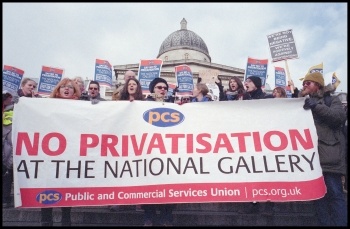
(49, 197)
(163, 117)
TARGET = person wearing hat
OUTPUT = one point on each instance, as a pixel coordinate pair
(7, 158)
(253, 87)
(158, 88)
(331, 210)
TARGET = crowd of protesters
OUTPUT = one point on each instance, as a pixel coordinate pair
(328, 113)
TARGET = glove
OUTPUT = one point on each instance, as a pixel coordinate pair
(310, 103)
(199, 79)
(15, 99)
(95, 101)
(176, 90)
(84, 96)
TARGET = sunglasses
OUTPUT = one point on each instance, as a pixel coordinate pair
(186, 99)
(93, 88)
(161, 87)
(307, 83)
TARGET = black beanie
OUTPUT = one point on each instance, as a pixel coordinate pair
(256, 80)
(155, 81)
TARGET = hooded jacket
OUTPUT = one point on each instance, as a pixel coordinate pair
(328, 122)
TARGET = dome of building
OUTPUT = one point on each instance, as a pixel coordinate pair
(184, 39)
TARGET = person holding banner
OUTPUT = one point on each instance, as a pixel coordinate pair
(200, 93)
(329, 115)
(279, 92)
(7, 148)
(253, 87)
(65, 89)
(79, 80)
(93, 93)
(131, 91)
(159, 88)
(128, 75)
(235, 90)
(28, 88)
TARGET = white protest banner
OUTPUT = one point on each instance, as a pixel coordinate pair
(73, 153)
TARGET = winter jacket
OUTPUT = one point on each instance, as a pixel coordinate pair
(7, 154)
(331, 140)
(259, 94)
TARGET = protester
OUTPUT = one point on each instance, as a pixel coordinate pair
(331, 210)
(185, 99)
(345, 132)
(235, 90)
(65, 89)
(79, 80)
(200, 93)
(158, 89)
(279, 92)
(7, 149)
(28, 88)
(93, 93)
(253, 87)
(131, 91)
(128, 75)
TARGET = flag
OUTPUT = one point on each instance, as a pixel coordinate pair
(335, 80)
(316, 68)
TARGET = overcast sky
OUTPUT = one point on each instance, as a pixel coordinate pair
(71, 36)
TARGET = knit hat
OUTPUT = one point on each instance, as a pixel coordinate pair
(155, 81)
(256, 80)
(315, 77)
(6, 94)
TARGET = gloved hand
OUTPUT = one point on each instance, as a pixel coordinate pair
(95, 101)
(221, 88)
(199, 79)
(176, 90)
(15, 99)
(310, 103)
(84, 96)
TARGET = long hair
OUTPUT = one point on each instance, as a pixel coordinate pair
(281, 91)
(240, 88)
(124, 94)
(56, 91)
(203, 88)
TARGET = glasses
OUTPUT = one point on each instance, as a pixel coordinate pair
(93, 88)
(186, 99)
(161, 87)
(69, 86)
(307, 83)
